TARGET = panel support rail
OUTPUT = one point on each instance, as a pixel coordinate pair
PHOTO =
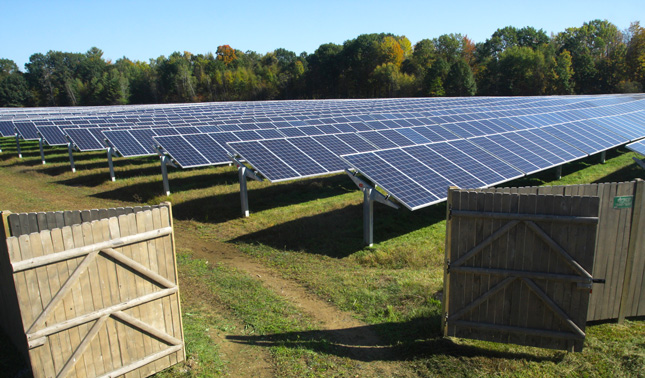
(243, 173)
(370, 194)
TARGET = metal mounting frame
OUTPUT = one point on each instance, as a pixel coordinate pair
(243, 173)
(370, 195)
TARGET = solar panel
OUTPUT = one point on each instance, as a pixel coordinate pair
(6, 129)
(125, 143)
(411, 194)
(183, 152)
(512, 154)
(209, 148)
(27, 130)
(319, 153)
(53, 135)
(638, 147)
(84, 140)
(265, 162)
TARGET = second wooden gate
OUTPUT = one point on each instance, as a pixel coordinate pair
(518, 267)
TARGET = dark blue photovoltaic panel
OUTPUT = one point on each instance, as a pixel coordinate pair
(125, 143)
(467, 163)
(6, 129)
(516, 123)
(224, 138)
(557, 146)
(84, 140)
(329, 129)
(497, 166)
(209, 148)
(420, 173)
(144, 137)
(435, 133)
(247, 135)
(334, 144)
(537, 149)
(573, 138)
(505, 152)
(209, 129)
(320, 154)
(53, 135)
(452, 172)
(292, 132)
(293, 157)
(409, 193)
(397, 138)
(181, 151)
(461, 130)
(377, 139)
(638, 147)
(311, 130)
(414, 136)
(360, 126)
(270, 133)
(611, 124)
(264, 161)
(27, 130)
(356, 142)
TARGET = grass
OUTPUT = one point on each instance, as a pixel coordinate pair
(309, 233)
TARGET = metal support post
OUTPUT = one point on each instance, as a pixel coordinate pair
(71, 156)
(370, 194)
(243, 172)
(603, 157)
(110, 152)
(18, 145)
(42, 152)
(165, 162)
(244, 194)
(641, 163)
(558, 172)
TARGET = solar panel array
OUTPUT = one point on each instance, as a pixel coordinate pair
(413, 148)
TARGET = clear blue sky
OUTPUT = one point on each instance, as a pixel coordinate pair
(141, 30)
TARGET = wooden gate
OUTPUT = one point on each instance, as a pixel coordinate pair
(518, 267)
(99, 299)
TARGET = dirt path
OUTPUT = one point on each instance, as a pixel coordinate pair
(363, 344)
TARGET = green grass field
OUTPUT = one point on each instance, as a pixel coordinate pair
(292, 292)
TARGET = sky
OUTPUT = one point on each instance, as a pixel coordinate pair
(144, 30)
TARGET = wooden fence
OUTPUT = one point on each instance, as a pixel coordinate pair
(92, 294)
(620, 246)
(518, 267)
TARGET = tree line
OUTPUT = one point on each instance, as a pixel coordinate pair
(594, 58)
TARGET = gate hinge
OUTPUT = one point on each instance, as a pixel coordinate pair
(598, 280)
(447, 266)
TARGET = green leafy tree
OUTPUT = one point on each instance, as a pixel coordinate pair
(460, 80)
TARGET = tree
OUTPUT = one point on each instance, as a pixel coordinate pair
(226, 54)
(460, 80)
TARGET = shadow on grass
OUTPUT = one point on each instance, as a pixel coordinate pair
(337, 233)
(418, 338)
(224, 207)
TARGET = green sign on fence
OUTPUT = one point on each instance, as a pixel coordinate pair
(623, 202)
